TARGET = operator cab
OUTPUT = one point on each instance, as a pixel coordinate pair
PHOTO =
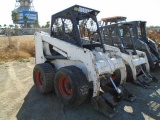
(118, 34)
(77, 25)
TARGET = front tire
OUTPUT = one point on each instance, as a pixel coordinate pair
(71, 85)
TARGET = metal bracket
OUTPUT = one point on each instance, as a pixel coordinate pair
(144, 79)
(114, 85)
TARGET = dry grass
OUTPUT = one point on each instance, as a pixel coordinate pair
(20, 47)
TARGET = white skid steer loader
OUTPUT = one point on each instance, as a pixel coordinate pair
(121, 35)
(74, 63)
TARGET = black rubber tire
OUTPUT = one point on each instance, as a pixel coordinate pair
(129, 74)
(43, 76)
(78, 84)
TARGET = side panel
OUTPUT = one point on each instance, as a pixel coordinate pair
(136, 60)
(128, 60)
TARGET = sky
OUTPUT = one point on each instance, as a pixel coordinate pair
(146, 10)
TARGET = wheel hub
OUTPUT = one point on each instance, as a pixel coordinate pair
(65, 87)
(68, 86)
(39, 79)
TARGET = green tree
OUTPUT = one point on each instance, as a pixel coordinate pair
(25, 18)
(11, 26)
(16, 26)
(4, 29)
(4, 25)
(47, 24)
(36, 23)
(15, 17)
(43, 26)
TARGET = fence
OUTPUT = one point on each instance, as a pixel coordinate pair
(22, 31)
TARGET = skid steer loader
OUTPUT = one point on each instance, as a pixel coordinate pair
(143, 43)
(74, 62)
(121, 35)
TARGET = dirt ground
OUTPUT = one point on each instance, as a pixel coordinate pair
(19, 99)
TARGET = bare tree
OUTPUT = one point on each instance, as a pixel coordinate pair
(25, 18)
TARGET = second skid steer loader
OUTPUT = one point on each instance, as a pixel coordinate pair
(143, 43)
(121, 35)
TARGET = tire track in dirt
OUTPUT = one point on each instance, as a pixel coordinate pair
(7, 81)
(4, 75)
(23, 72)
(16, 81)
(14, 87)
(20, 70)
(20, 88)
(29, 65)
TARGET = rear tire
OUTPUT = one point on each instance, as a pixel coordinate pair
(43, 76)
(71, 85)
